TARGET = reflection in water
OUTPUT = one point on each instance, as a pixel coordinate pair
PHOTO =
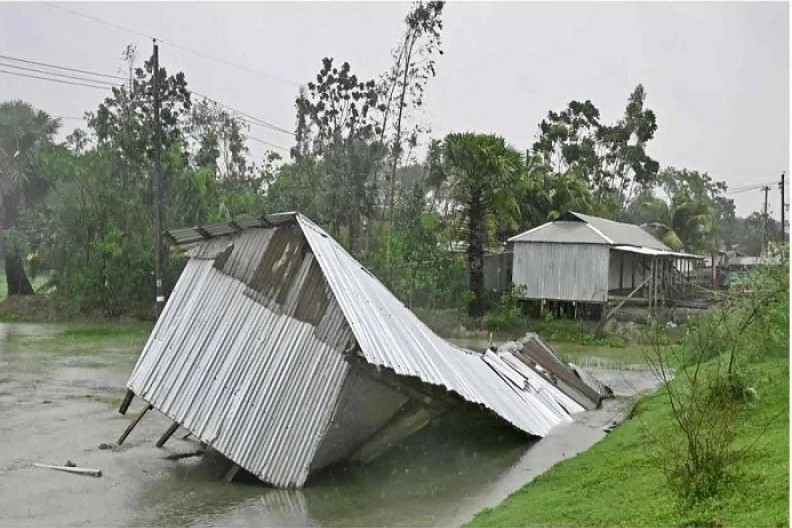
(436, 477)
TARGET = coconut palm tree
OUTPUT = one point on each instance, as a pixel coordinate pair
(24, 131)
(682, 223)
(482, 176)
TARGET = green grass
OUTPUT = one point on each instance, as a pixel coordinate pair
(87, 339)
(616, 484)
(37, 282)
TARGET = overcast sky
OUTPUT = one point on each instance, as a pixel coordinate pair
(716, 74)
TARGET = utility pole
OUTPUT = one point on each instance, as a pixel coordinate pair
(158, 266)
(765, 190)
(781, 186)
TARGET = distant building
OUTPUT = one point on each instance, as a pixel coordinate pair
(587, 259)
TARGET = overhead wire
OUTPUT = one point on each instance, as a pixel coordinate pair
(100, 87)
(174, 45)
(102, 84)
(59, 75)
(252, 119)
(254, 138)
(76, 70)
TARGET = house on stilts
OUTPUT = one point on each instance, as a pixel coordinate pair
(586, 260)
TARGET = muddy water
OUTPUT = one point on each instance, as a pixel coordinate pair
(58, 402)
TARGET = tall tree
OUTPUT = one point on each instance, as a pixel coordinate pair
(627, 168)
(569, 140)
(402, 87)
(483, 175)
(336, 124)
(24, 133)
(611, 159)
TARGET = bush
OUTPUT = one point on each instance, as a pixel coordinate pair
(698, 455)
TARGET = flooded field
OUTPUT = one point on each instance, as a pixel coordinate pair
(59, 398)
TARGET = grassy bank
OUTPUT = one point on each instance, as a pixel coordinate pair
(621, 481)
(616, 484)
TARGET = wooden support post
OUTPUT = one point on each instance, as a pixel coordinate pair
(127, 400)
(167, 434)
(411, 418)
(651, 283)
(621, 273)
(605, 317)
(133, 424)
(231, 473)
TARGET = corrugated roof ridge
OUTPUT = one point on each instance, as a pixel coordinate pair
(587, 219)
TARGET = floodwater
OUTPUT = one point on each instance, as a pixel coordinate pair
(60, 403)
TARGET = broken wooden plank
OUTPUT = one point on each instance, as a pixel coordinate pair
(410, 419)
(167, 434)
(72, 469)
(133, 424)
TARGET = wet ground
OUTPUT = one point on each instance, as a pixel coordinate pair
(58, 402)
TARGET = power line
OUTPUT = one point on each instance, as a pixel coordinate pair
(253, 120)
(58, 74)
(268, 143)
(17, 59)
(54, 80)
(101, 21)
(174, 45)
(748, 187)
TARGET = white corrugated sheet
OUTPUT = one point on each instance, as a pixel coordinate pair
(253, 382)
(390, 335)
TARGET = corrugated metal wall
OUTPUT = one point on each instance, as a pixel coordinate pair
(252, 369)
(565, 272)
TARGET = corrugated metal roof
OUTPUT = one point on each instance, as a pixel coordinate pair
(249, 352)
(656, 252)
(561, 232)
(390, 335)
(578, 228)
(621, 233)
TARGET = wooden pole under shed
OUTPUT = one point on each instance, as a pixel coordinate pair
(167, 434)
(133, 424)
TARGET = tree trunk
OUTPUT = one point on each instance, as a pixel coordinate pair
(16, 278)
(475, 253)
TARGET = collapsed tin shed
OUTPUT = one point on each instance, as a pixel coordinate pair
(283, 353)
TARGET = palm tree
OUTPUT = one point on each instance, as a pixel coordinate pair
(684, 223)
(23, 132)
(549, 195)
(482, 175)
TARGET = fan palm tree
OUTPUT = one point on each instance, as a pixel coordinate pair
(23, 132)
(482, 175)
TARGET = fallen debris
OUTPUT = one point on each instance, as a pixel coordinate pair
(72, 469)
(179, 456)
(105, 445)
(283, 353)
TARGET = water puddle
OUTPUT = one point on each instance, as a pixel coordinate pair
(57, 410)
